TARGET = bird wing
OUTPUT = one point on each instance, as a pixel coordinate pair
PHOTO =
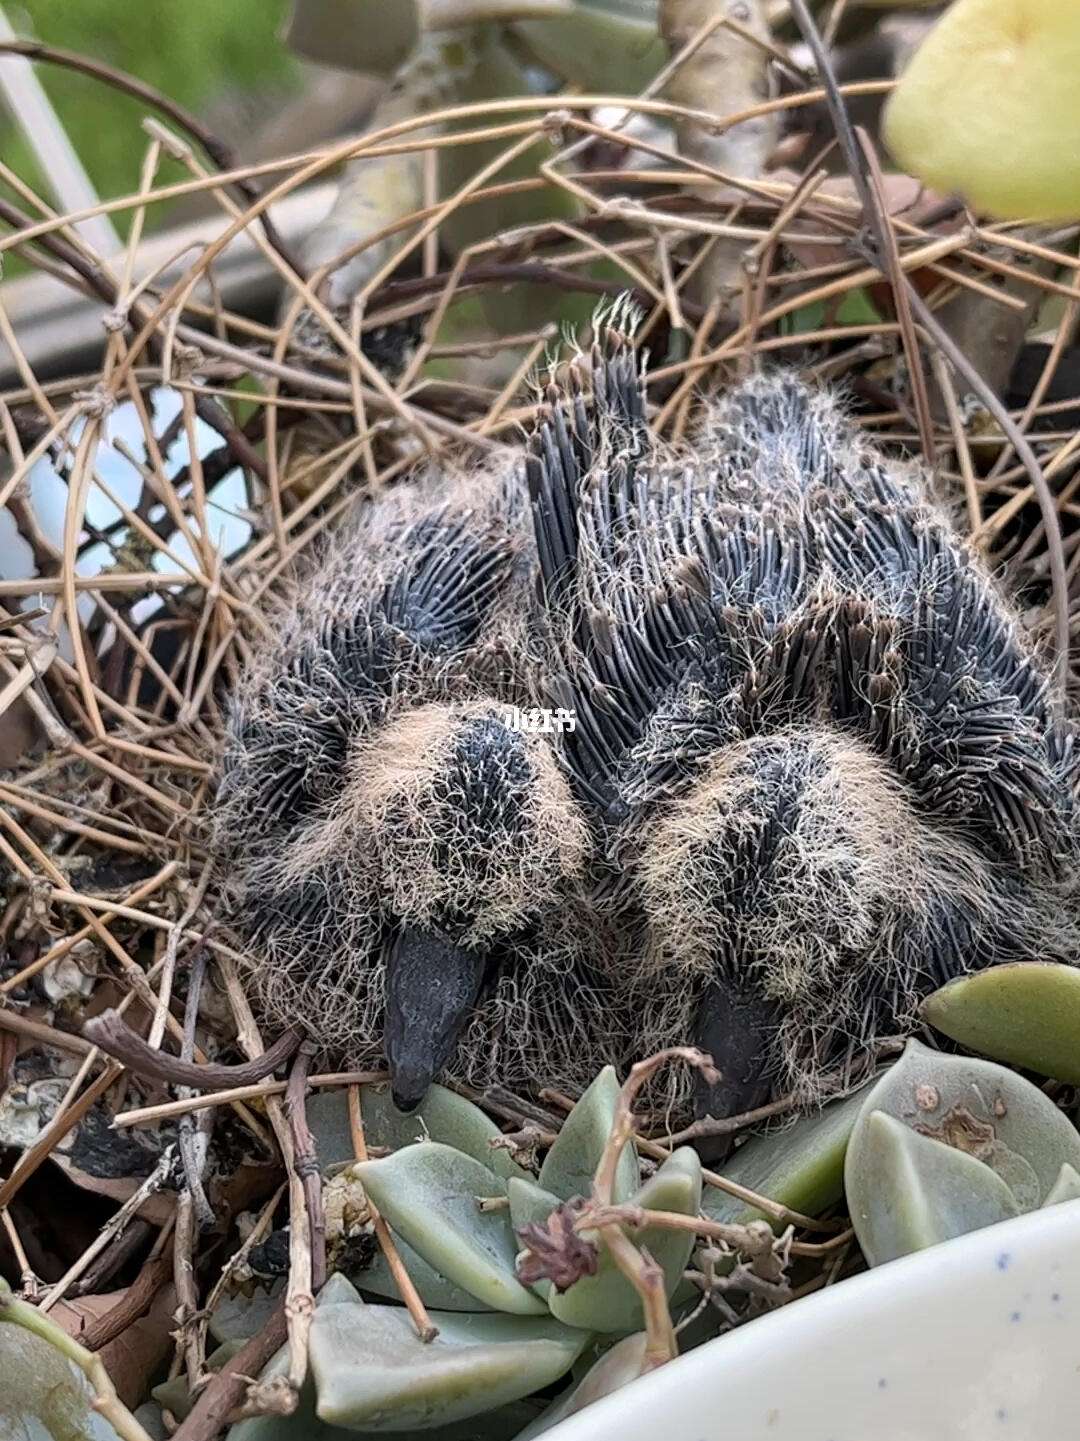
(942, 672)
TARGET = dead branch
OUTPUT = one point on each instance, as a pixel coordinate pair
(111, 1033)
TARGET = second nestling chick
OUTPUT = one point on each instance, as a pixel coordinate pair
(817, 742)
(404, 861)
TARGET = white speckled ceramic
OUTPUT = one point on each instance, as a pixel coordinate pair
(973, 1340)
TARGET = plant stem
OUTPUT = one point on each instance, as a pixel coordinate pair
(106, 1401)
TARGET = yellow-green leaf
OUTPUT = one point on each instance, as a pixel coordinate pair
(990, 106)
(1027, 1013)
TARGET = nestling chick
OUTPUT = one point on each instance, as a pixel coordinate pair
(816, 742)
(406, 863)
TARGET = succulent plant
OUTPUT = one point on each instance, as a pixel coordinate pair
(946, 1144)
(428, 1193)
(43, 1393)
(455, 1199)
(1027, 1014)
(989, 106)
(800, 1165)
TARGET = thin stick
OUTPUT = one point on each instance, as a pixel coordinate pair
(112, 1034)
(305, 1161)
(258, 1091)
(408, 1292)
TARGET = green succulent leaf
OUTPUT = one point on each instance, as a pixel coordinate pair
(1027, 1014)
(441, 1116)
(616, 1368)
(979, 1107)
(42, 1394)
(571, 1163)
(607, 1301)
(435, 1290)
(373, 1373)
(800, 1165)
(305, 1425)
(907, 1191)
(1065, 1188)
(429, 1193)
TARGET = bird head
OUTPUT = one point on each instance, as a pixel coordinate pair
(782, 881)
(460, 832)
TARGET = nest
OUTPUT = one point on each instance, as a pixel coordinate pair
(117, 656)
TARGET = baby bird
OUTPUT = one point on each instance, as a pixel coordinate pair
(817, 746)
(405, 862)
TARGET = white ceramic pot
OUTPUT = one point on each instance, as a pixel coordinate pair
(971, 1340)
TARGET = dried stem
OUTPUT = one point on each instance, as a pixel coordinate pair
(640, 1270)
(409, 1294)
(305, 1161)
(228, 1388)
(112, 1034)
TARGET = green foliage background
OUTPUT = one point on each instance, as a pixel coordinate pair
(193, 50)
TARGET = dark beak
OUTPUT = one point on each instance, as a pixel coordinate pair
(431, 986)
(733, 1027)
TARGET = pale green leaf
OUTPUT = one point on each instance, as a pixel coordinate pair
(1006, 1122)
(441, 1116)
(906, 1191)
(304, 1425)
(429, 1193)
(1065, 1188)
(608, 1301)
(616, 1368)
(800, 1165)
(1027, 1014)
(530, 1204)
(373, 1373)
(43, 1396)
(435, 1290)
(571, 1163)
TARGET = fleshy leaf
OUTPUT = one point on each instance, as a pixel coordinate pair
(1027, 1013)
(615, 1368)
(305, 1425)
(239, 1317)
(373, 1373)
(435, 1290)
(907, 1191)
(429, 1194)
(1065, 1188)
(981, 1108)
(441, 1116)
(800, 1165)
(607, 1301)
(571, 1163)
(42, 1394)
(989, 105)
